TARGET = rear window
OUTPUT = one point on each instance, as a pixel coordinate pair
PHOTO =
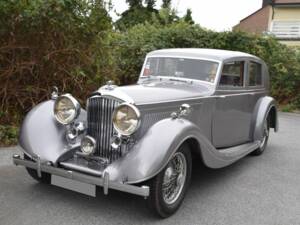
(233, 74)
(255, 74)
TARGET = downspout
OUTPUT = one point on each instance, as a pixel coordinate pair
(273, 11)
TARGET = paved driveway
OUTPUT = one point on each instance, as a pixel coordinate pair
(255, 190)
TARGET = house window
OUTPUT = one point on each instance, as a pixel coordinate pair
(255, 74)
(286, 29)
(233, 74)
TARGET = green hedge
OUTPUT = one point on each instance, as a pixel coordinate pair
(283, 62)
(72, 44)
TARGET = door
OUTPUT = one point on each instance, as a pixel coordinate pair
(232, 116)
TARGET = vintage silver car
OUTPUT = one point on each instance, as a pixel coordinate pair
(202, 104)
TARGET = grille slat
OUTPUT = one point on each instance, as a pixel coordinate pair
(100, 127)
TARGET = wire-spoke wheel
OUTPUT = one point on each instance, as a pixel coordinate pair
(168, 188)
(174, 178)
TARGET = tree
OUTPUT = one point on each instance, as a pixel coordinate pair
(134, 3)
(150, 4)
(188, 17)
(166, 4)
(136, 14)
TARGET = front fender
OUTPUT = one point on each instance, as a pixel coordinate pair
(151, 153)
(264, 107)
(41, 135)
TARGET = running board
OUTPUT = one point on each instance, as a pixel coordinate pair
(240, 150)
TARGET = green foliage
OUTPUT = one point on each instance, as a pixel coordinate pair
(166, 3)
(288, 108)
(47, 43)
(8, 135)
(188, 17)
(135, 15)
(72, 44)
(283, 62)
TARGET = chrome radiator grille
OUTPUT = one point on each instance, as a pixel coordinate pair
(100, 127)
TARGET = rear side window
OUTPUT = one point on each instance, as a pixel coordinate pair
(255, 74)
(233, 74)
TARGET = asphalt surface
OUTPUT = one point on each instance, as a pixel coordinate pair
(255, 190)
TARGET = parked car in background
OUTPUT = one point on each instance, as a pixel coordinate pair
(211, 105)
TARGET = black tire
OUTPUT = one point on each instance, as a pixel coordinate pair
(156, 201)
(46, 177)
(265, 139)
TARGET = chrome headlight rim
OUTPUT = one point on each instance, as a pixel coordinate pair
(138, 116)
(76, 106)
(92, 141)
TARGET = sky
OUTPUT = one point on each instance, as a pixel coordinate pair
(218, 15)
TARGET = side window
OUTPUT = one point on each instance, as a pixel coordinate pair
(255, 74)
(233, 74)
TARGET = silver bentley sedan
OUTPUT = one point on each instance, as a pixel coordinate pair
(203, 104)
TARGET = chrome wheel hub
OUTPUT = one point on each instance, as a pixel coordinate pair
(174, 178)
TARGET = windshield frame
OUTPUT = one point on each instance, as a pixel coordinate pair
(182, 78)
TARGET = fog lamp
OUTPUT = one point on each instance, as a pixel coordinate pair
(88, 145)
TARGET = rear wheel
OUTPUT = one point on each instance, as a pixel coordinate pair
(264, 140)
(46, 177)
(168, 188)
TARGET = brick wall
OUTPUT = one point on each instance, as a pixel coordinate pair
(286, 1)
(257, 22)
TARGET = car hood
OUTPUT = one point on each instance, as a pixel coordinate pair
(155, 92)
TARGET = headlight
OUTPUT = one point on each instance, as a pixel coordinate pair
(126, 119)
(66, 109)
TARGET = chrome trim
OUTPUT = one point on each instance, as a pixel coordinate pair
(199, 98)
(188, 57)
(93, 142)
(137, 112)
(54, 94)
(38, 167)
(75, 104)
(103, 182)
(99, 121)
(116, 93)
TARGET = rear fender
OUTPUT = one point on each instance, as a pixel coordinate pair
(266, 106)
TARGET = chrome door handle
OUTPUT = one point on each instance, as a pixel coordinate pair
(222, 96)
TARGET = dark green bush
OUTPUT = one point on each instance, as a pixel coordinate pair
(72, 44)
(283, 62)
(47, 43)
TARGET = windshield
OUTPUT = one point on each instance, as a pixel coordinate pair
(181, 67)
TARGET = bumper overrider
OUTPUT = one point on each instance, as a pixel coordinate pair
(77, 176)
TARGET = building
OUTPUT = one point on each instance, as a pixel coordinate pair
(278, 17)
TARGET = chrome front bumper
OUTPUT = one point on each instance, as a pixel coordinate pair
(98, 181)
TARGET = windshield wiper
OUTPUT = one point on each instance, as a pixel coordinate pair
(178, 80)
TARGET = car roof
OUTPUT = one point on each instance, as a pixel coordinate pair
(212, 54)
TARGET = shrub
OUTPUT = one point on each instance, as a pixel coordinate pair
(72, 44)
(47, 43)
(283, 62)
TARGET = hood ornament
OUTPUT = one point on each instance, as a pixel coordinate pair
(110, 85)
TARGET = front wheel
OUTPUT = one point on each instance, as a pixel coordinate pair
(168, 188)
